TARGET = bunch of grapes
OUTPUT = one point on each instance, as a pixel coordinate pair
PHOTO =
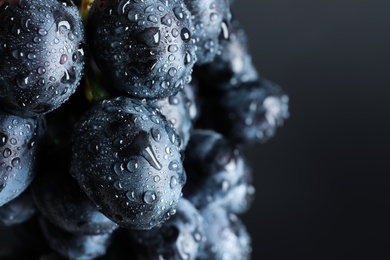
(122, 124)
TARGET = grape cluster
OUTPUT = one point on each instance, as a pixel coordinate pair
(126, 141)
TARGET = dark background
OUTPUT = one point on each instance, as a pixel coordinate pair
(322, 184)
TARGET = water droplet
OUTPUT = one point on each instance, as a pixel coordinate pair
(12, 141)
(156, 134)
(3, 139)
(63, 25)
(175, 32)
(213, 17)
(151, 158)
(153, 18)
(155, 119)
(166, 20)
(178, 11)
(22, 81)
(185, 34)
(156, 178)
(164, 84)
(197, 237)
(31, 144)
(42, 32)
(71, 36)
(119, 168)
(63, 59)
(15, 162)
(187, 58)
(31, 56)
(7, 152)
(172, 72)
(118, 185)
(174, 166)
(17, 54)
(171, 134)
(138, 109)
(173, 48)
(132, 165)
(37, 39)
(149, 197)
(173, 182)
(41, 70)
(131, 195)
(173, 100)
(225, 30)
(171, 57)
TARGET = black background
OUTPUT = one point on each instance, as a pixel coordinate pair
(322, 184)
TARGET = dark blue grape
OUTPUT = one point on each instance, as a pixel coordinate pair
(230, 69)
(180, 237)
(41, 46)
(19, 139)
(145, 47)
(218, 173)
(211, 19)
(227, 237)
(61, 201)
(74, 246)
(126, 157)
(248, 114)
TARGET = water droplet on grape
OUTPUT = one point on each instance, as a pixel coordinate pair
(149, 197)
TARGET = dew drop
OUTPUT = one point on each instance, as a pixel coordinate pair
(7, 152)
(63, 24)
(41, 70)
(42, 32)
(149, 197)
(178, 11)
(118, 185)
(31, 56)
(63, 59)
(155, 119)
(12, 141)
(131, 195)
(156, 134)
(166, 20)
(3, 139)
(172, 72)
(174, 166)
(151, 158)
(171, 134)
(187, 58)
(153, 18)
(22, 81)
(175, 32)
(15, 162)
(132, 165)
(173, 183)
(173, 48)
(185, 34)
(17, 54)
(173, 100)
(225, 30)
(213, 17)
(171, 57)
(119, 168)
